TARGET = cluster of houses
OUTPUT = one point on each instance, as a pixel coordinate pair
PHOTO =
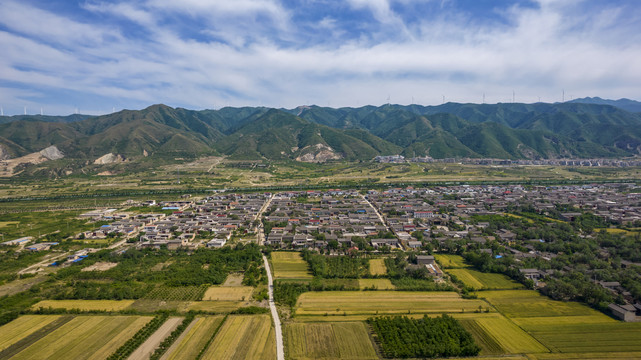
(314, 219)
(398, 159)
(217, 217)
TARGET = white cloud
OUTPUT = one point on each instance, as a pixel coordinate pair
(542, 51)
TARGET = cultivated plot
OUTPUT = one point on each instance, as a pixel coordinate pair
(22, 327)
(289, 265)
(384, 302)
(344, 340)
(484, 281)
(529, 303)
(378, 284)
(192, 341)
(214, 306)
(244, 337)
(85, 337)
(229, 293)
(85, 305)
(569, 335)
(448, 261)
(377, 267)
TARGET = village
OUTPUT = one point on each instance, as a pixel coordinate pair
(380, 221)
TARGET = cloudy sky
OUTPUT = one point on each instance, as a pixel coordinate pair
(96, 56)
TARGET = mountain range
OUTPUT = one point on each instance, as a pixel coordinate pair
(316, 134)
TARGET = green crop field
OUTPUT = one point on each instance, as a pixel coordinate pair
(344, 340)
(177, 293)
(383, 302)
(529, 303)
(573, 334)
(585, 356)
(229, 293)
(289, 265)
(450, 261)
(380, 284)
(22, 327)
(509, 336)
(85, 305)
(194, 339)
(484, 281)
(377, 267)
(244, 337)
(85, 337)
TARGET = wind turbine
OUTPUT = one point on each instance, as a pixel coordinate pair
(25, 110)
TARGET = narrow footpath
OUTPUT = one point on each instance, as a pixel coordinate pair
(280, 351)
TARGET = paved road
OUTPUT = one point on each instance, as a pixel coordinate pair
(380, 217)
(280, 351)
(259, 230)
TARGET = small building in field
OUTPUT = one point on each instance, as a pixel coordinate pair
(626, 313)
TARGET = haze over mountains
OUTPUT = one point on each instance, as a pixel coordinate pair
(316, 134)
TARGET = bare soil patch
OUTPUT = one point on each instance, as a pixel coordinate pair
(100, 266)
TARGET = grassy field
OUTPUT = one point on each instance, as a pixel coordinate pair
(383, 302)
(85, 305)
(380, 284)
(85, 337)
(484, 281)
(229, 293)
(377, 267)
(22, 327)
(194, 339)
(289, 265)
(529, 303)
(344, 340)
(234, 279)
(244, 337)
(450, 261)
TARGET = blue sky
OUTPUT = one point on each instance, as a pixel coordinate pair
(99, 56)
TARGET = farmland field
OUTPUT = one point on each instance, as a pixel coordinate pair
(85, 305)
(344, 340)
(23, 327)
(380, 284)
(377, 267)
(229, 293)
(450, 261)
(529, 303)
(508, 336)
(383, 302)
(177, 293)
(571, 335)
(194, 339)
(147, 305)
(289, 265)
(214, 306)
(480, 281)
(85, 337)
(244, 337)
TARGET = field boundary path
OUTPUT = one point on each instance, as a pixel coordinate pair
(280, 351)
(147, 348)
